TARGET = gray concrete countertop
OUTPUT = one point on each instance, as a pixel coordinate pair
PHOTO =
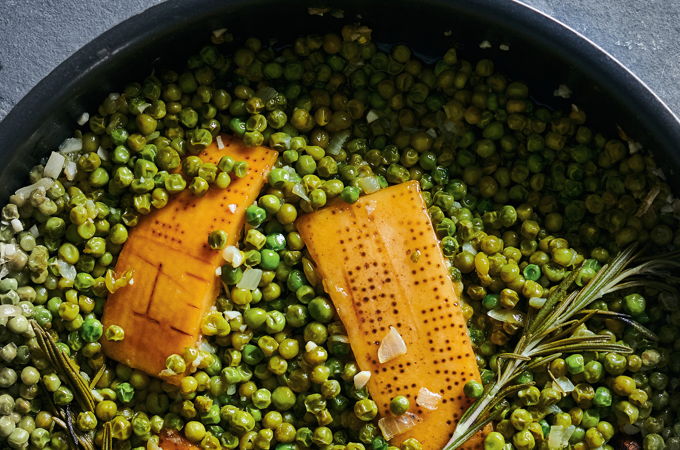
(37, 35)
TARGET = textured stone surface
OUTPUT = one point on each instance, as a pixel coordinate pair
(36, 35)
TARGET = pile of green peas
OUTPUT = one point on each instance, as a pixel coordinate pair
(518, 194)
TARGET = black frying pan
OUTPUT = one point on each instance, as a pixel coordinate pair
(543, 52)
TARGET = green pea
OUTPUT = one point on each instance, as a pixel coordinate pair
(399, 405)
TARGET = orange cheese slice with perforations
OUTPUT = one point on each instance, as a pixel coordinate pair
(174, 282)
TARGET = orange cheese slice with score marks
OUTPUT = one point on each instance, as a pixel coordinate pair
(174, 282)
(382, 266)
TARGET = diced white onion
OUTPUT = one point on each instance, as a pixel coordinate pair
(103, 154)
(310, 345)
(564, 384)
(231, 315)
(220, 143)
(299, 190)
(468, 247)
(391, 346)
(7, 250)
(34, 231)
(54, 165)
(562, 91)
(369, 184)
(10, 311)
(361, 379)
(4, 271)
(559, 435)
(250, 279)
(82, 120)
(218, 271)
(431, 132)
(342, 338)
(233, 256)
(392, 426)
(537, 302)
(231, 389)
(337, 141)
(553, 409)
(506, 315)
(219, 32)
(207, 347)
(504, 47)
(25, 191)
(232, 207)
(372, 116)
(98, 397)
(485, 44)
(428, 399)
(17, 226)
(66, 270)
(71, 145)
(70, 170)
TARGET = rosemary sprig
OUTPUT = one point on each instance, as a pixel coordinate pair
(65, 367)
(548, 333)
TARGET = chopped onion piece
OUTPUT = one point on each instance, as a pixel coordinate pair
(431, 132)
(232, 207)
(218, 271)
(25, 191)
(485, 44)
(103, 154)
(504, 47)
(54, 165)
(537, 302)
(233, 256)
(231, 315)
(66, 270)
(337, 141)
(372, 116)
(468, 247)
(231, 390)
(562, 91)
(34, 231)
(506, 315)
(82, 120)
(428, 399)
(10, 311)
(4, 271)
(342, 338)
(7, 250)
(310, 345)
(369, 184)
(361, 379)
(559, 435)
(553, 409)
(219, 32)
(564, 384)
(392, 426)
(250, 280)
(207, 347)
(299, 190)
(391, 346)
(17, 226)
(71, 145)
(70, 170)
(220, 143)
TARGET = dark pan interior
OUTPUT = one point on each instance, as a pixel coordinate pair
(542, 53)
